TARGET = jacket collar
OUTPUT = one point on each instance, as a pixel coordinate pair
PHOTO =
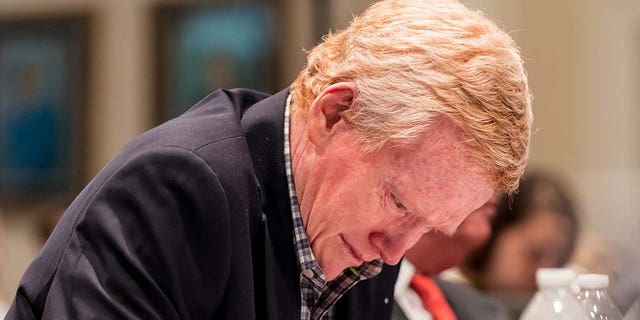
(263, 125)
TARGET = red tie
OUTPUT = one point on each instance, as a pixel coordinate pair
(432, 298)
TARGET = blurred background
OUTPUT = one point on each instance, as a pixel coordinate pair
(79, 79)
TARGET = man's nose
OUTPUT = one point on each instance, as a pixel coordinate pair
(392, 246)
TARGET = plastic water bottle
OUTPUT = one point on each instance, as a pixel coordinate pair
(555, 300)
(634, 312)
(595, 298)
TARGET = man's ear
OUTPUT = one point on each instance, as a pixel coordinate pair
(326, 110)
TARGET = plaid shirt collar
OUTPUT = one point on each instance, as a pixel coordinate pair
(317, 295)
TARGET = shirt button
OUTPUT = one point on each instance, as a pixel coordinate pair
(308, 273)
(386, 300)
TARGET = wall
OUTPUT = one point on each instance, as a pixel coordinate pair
(583, 61)
(610, 64)
(120, 95)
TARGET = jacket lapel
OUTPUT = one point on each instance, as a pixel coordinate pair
(263, 124)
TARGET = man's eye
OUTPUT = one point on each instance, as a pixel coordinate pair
(399, 204)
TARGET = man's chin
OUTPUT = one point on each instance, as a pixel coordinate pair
(332, 272)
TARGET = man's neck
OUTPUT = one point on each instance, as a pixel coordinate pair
(301, 150)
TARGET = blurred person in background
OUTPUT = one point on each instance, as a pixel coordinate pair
(420, 294)
(536, 228)
(251, 206)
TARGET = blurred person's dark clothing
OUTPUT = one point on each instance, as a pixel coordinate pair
(470, 304)
(191, 221)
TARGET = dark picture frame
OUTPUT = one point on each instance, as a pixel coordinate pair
(204, 46)
(43, 84)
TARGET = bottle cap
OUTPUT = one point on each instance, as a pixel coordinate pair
(554, 277)
(593, 281)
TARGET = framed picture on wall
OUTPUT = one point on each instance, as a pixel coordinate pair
(206, 46)
(42, 94)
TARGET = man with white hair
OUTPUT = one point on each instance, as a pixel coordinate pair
(251, 206)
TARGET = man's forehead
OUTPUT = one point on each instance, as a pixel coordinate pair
(440, 188)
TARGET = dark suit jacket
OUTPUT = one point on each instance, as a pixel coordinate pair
(190, 221)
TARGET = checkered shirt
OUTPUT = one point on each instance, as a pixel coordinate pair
(316, 294)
